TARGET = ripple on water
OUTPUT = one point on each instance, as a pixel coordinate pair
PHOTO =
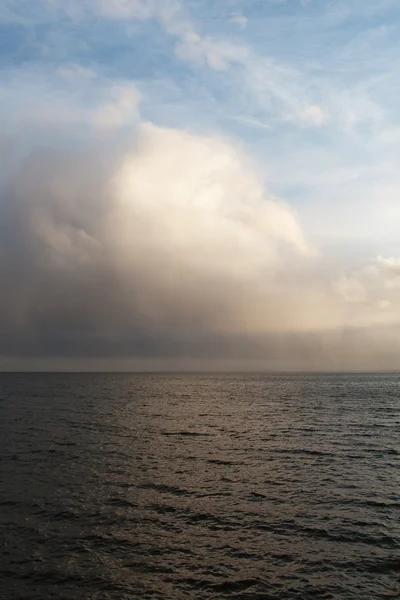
(115, 487)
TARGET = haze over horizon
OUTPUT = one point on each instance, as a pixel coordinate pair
(199, 185)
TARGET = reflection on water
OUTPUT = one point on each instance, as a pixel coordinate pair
(199, 486)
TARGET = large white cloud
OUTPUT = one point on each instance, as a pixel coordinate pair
(180, 221)
(170, 244)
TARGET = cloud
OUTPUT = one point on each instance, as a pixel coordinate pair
(75, 72)
(172, 236)
(272, 86)
(122, 9)
(68, 100)
(162, 244)
(267, 80)
(216, 54)
(123, 238)
(168, 249)
(374, 285)
(191, 46)
(314, 114)
(122, 109)
(239, 20)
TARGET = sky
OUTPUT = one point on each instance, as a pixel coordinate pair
(199, 185)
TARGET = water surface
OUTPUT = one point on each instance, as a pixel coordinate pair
(199, 487)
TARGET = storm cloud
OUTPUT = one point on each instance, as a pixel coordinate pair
(166, 246)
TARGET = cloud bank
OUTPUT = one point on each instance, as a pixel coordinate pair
(164, 248)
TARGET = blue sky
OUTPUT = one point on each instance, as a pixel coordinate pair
(308, 89)
(311, 88)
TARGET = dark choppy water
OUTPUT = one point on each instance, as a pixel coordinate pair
(197, 486)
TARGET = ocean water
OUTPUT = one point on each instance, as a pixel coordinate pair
(199, 487)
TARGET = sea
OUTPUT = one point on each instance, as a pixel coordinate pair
(199, 486)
